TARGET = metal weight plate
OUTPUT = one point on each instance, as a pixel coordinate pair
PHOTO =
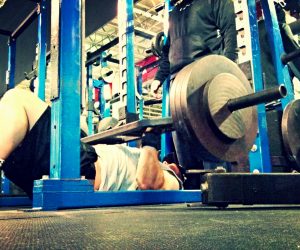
(189, 112)
(217, 92)
(290, 126)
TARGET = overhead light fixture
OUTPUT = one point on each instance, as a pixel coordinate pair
(2, 2)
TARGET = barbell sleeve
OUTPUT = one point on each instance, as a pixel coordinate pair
(257, 98)
(152, 101)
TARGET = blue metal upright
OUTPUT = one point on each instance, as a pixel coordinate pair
(126, 44)
(5, 184)
(65, 133)
(282, 73)
(166, 138)
(42, 48)
(10, 78)
(104, 105)
(140, 91)
(90, 103)
(260, 157)
(128, 97)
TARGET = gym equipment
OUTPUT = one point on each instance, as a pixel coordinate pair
(247, 189)
(130, 131)
(157, 44)
(285, 58)
(212, 104)
(203, 100)
(290, 125)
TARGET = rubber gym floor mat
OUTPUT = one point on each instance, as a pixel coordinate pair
(153, 227)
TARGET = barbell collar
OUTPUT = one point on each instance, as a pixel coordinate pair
(263, 96)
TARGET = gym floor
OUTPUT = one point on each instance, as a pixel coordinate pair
(180, 226)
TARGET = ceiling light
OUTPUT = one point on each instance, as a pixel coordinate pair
(2, 2)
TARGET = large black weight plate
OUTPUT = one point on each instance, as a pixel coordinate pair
(290, 126)
(187, 108)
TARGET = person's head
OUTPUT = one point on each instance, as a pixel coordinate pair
(172, 162)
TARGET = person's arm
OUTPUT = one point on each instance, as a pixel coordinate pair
(150, 174)
(164, 64)
(225, 19)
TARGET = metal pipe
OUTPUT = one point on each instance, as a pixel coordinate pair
(152, 101)
(285, 58)
(42, 49)
(5, 32)
(26, 22)
(12, 47)
(257, 98)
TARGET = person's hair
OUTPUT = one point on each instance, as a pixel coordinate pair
(171, 158)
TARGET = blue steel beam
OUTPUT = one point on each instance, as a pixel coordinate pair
(11, 201)
(128, 99)
(282, 73)
(49, 195)
(140, 91)
(5, 184)
(104, 105)
(259, 158)
(131, 83)
(10, 79)
(65, 132)
(166, 138)
(90, 107)
(42, 48)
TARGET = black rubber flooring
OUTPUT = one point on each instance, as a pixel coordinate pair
(153, 227)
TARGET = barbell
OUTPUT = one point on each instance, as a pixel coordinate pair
(212, 106)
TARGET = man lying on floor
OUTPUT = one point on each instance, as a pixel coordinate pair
(25, 152)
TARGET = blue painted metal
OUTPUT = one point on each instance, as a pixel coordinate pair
(65, 130)
(10, 79)
(11, 201)
(90, 89)
(140, 91)
(102, 101)
(282, 73)
(42, 48)
(259, 159)
(5, 184)
(127, 66)
(56, 194)
(131, 83)
(104, 105)
(166, 138)
(98, 83)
